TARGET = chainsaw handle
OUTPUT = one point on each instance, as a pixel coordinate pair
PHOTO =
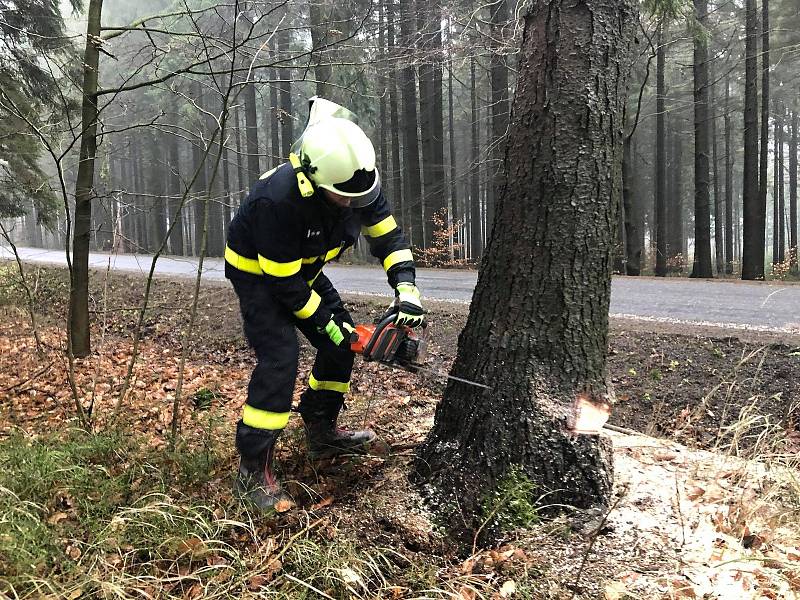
(382, 324)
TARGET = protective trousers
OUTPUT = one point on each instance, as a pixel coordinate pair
(270, 330)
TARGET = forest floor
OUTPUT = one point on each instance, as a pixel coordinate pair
(706, 502)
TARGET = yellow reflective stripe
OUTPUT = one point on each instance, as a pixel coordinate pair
(331, 254)
(310, 260)
(311, 281)
(381, 228)
(264, 419)
(279, 269)
(396, 257)
(310, 307)
(237, 261)
(268, 173)
(333, 386)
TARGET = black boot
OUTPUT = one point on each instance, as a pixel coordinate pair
(325, 440)
(256, 483)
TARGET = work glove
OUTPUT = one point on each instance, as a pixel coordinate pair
(339, 330)
(409, 307)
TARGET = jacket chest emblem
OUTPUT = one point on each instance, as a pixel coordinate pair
(313, 233)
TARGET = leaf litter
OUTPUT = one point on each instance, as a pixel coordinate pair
(690, 523)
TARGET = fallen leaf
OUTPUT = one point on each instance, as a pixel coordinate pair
(508, 589)
(256, 582)
(57, 517)
(283, 506)
(322, 503)
(695, 492)
(614, 590)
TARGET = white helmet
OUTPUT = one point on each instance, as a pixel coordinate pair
(337, 155)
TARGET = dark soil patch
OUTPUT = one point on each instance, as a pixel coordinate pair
(670, 380)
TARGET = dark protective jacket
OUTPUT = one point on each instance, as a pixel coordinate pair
(285, 239)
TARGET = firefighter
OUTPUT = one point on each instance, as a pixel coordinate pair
(298, 217)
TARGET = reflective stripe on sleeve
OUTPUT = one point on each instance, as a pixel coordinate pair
(333, 253)
(396, 257)
(237, 261)
(264, 419)
(381, 228)
(310, 307)
(279, 269)
(333, 386)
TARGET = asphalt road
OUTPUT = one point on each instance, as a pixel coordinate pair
(737, 305)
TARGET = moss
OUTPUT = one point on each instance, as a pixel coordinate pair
(512, 504)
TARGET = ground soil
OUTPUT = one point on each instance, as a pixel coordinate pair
(688, 387)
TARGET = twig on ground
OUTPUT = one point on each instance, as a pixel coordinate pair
(595, 535)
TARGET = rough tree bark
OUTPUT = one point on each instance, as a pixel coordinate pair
(702, 205)
(79, 338)
(538, 324)
(754, 209)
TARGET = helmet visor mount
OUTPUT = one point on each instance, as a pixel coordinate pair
(362, 189)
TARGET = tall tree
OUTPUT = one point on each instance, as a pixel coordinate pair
(538, 323)
(730, 257)
(660, 211)
(412, 185)
(476, 240)
(498, 73)
(702, 204)
(79, 335)
(754, 210)
(793, 191)
(429, 18)
(251, 131)
(779, 177)
(719, 240)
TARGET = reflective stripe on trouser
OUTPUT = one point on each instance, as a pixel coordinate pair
(270, 329)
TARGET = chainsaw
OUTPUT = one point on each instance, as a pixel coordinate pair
(397, 346)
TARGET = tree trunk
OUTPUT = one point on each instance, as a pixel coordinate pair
(675, 254)
(396, 179)
(451, 138)
(275, 147)
(538, 324)
(79, 336)
(498, 74)
(719, 218)
(702, 203)
(251, 131)
(631, 251)
(431, 114)
(754, 185)
(775, 219)
(285, 87)
(412, 185)
(476, 243)
(730, 257)
(793, 193)
(174, 187)
(320, 30)
(660, 211)
(781, 197)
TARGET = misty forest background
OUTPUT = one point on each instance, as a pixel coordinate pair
(432, 84)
